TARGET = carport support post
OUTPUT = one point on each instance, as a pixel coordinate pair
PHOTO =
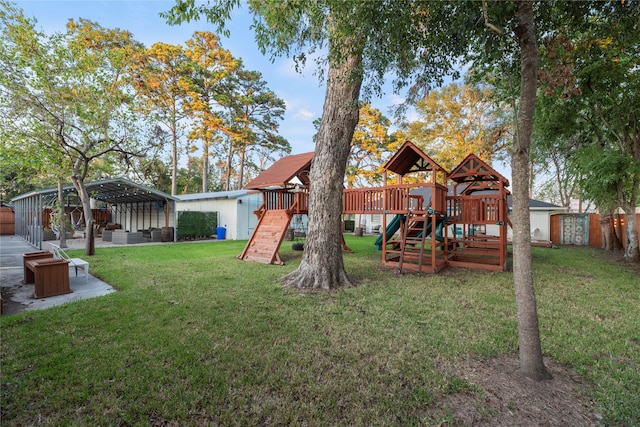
(167, 202)
(166, 213)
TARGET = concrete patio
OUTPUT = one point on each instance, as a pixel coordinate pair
(18, 297)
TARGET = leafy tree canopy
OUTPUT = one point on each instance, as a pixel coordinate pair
(458, 120)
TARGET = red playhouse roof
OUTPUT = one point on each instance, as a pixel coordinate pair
(283, 171)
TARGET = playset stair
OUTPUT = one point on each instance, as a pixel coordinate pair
(413, 247)
(414, 234)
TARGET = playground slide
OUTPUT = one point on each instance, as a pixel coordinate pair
(439, 230)
(392, 227)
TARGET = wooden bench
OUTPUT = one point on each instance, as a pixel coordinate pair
(50, 276)
(59, 253)
(27, 274)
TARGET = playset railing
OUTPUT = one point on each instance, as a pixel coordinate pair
(487, 209)
(393, 199)
(296, 201)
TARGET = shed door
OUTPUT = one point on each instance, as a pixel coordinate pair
(574, 229)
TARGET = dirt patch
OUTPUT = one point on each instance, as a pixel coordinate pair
(9, 306)
(617, 258)
(500, 396)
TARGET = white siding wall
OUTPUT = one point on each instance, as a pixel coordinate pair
(247, 220)
(225, 207)
(540, 225)
(235, 214)
(371, 220)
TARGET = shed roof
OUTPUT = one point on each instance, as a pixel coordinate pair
(410, 158)
(283, 171)
(216, 195)
(114, 191)
(539, 205)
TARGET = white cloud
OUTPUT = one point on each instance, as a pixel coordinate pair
(287, 68)
(396, 99)
(304, 114)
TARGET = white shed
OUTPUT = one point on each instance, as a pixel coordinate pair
(540, 218)
(235, 209)
(540, 214)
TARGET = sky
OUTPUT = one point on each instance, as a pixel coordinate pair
(303, 92)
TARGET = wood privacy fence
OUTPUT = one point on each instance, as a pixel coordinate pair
(7, 221)
(584, 229)
(100, 216)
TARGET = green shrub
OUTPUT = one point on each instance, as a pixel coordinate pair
(197, 224)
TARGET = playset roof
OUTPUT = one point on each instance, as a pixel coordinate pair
(410, 158)
(474, 170)
(283, 171)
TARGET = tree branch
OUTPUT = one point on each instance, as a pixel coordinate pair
(486, 19)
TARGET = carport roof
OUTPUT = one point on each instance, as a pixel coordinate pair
(113, 191)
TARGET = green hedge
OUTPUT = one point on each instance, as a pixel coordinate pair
(197, 224)
(349, 225)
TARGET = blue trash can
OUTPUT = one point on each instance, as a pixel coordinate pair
(222, 233)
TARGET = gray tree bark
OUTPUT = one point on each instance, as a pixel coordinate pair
(322, 266)
(174, 161)
(205, 166)
(632, 251)
(531, 361)
(78, 183)
(610, 240)
(63, 217)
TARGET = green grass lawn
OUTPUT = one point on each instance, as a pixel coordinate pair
(195, 336)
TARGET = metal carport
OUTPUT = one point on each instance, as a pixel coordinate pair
(132, 205)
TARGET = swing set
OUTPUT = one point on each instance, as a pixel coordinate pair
(442, 221)
(76, 225)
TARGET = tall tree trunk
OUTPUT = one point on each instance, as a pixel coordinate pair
(78, 183)
(63, 217)
(243, 151)
(205, 166)
(610, 240)
(628, 203)
(174, 161)
(632, 251)
(322, 265)
(531, 361)
(227, 185)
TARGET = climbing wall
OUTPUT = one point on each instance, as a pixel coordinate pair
(266, 239)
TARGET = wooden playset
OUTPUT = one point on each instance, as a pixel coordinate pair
(431, 225)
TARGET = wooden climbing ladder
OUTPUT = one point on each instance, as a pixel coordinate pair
(266, 239)
(414, 235)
